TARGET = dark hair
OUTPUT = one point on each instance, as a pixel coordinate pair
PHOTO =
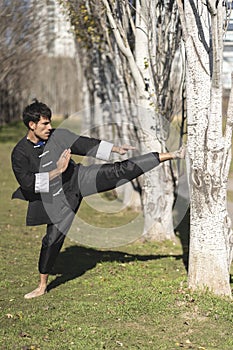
(34, 111)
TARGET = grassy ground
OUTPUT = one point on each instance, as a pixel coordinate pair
(132, 297)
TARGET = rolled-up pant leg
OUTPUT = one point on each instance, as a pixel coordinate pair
(99, 178)
(52, 243)
(51, 246)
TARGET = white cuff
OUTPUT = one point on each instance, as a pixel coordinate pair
(104, 150)
(42, 183)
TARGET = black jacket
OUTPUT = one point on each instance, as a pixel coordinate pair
(29, 159)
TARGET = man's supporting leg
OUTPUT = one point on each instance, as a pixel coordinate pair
(51, 245)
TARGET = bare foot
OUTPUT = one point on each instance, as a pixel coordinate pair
(36, 293)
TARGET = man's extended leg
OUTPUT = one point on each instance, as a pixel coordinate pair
(99, 178)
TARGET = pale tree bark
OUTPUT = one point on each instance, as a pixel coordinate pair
(158, 197)
(19, 32)
(209, 150)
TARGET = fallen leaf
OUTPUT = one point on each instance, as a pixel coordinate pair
(24, 335)
(20, 315)
(119, 343)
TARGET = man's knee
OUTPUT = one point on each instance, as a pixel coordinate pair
(52, 237)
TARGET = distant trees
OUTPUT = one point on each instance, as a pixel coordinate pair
(56, 81)
(28, 69)
(18, 46)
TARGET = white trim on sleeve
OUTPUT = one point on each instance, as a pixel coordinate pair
(42, 183)
(104, 150)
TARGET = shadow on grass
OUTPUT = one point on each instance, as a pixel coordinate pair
(183, 233)
(76, 260)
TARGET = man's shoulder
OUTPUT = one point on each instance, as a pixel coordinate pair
(63, 136)
(62, 131)
(20, 144)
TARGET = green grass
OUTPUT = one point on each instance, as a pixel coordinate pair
(129, 297)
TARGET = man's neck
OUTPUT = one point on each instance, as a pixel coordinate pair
(32, 137)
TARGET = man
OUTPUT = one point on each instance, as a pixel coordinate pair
(54, 184)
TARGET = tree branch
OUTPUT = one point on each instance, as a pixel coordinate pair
(212, 6)
(182, 19)
(125, 49)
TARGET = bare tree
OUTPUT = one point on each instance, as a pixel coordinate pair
(18, 39)
(209, 148)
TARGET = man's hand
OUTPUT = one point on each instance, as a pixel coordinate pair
(122, 149)
(63, 161)
(62, 164)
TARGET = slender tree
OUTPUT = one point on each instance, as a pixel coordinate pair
(208, 147)
(18, 38)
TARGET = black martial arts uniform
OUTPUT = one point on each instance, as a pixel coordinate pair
(55, 202)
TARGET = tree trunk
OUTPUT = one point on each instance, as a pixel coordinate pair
(158, 191)
(210, 233)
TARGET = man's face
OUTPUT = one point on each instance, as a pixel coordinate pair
(42, 129)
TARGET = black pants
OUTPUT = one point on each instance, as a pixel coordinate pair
(92, 179)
